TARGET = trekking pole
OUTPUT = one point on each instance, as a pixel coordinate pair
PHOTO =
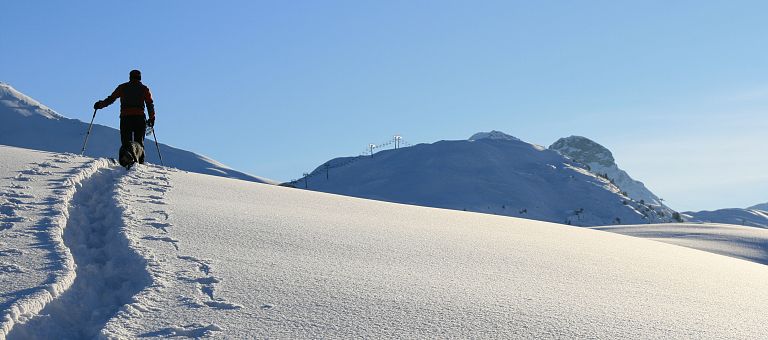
(157, 146)
(88, 133)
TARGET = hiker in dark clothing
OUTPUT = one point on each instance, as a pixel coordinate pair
(133, 96)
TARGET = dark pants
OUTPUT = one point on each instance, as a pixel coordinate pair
(132, 128)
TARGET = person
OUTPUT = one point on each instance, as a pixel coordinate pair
(133, 97)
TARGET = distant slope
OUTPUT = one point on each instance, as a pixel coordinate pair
(763, 207)
(490, 173)
(747, 243)
(26, 123)
(737, 216)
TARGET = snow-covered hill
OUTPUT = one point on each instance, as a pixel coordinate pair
(88, 249)
(26, 123)
(737, 216)
(743, 242)
(763, 207)
(489, 173)
(600, 161)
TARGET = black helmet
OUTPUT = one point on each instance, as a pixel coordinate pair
(134, 75)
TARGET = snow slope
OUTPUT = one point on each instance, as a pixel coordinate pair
(737, 216)
(763, 207)
(490, 173)
(177, 254)
(600, 161)
(748, 243)
(27, 123)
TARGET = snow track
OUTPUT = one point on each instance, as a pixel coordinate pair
(49, 232)
(108, 272)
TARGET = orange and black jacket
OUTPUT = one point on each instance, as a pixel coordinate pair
(133, 95)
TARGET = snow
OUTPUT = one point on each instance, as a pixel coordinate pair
(493, 135)
(747, 217)
(26, 123)
(177, 254)
(600, 161)
(36, 188)
(748, 243)
(490, 173)
(14, 101)
(108, 271)
(763, 207)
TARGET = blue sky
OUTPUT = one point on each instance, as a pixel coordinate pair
(677, 90)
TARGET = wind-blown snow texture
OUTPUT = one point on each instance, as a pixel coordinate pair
(27, 123)
(490, 173)
(210, 256)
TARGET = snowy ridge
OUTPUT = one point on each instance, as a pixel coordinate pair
(735, 216)
(22, 104)
(62, 278)
(493, 135)
(26, 123)
(763, 207)
(490, 173)
(600, 161)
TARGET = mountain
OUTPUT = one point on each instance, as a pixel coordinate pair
(26, 123)
(489, 173)
(763, 207)
(599, 160)
(748, 217)
(493, 135)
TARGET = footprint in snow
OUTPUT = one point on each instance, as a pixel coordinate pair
(161, 226)
(207, 286)
(7, 209)
(221, 304)
(203, 265)
(15, 194)
(48, 165)
(158, 202)
(195, 330)
(162, 213)
(11, 252)
(164, 239)
(10, 268)
(36, 172)
(153, 197)
(22, 178)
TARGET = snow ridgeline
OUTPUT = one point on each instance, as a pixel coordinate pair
(27, 123)
(491, 173)
(34, 302)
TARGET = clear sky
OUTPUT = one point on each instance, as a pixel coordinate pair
(678, 90)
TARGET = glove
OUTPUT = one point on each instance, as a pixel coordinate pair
(98, 105)
(151, 122)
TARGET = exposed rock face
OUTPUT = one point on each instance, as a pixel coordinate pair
(601, 162)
